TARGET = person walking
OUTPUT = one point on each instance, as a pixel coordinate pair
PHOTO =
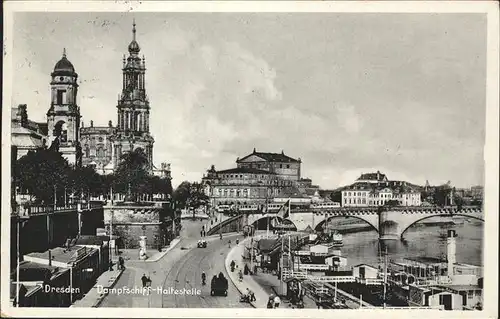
(144, 280)
(277, 301)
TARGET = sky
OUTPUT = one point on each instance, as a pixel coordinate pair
(346, 93)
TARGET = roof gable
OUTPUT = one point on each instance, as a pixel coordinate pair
(268, 157)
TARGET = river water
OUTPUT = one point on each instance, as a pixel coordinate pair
(420, 240)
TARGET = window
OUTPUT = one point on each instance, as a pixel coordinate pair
(100, 139)
(281, 165)
(87, 150)
(288, 166)
(61, 97)
(470, 294)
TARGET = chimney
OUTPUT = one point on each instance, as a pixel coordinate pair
(254, 151)
(110, 124)
(451, 249)
(378, 175)
(91, 123)
(50, 258)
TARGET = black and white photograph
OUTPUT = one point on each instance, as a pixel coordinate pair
(256, 159)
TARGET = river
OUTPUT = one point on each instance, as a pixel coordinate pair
(420, 240)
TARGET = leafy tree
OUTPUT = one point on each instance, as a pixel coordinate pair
(131, 174)
(42, 173)
(392, 203)
(190, 195)
(336, 196)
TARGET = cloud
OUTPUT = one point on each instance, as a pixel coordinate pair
(220, 85)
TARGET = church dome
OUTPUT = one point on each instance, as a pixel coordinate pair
(64, 65)
(133, 47)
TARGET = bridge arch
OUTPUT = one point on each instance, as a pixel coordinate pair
(319, 226)
(413, 222)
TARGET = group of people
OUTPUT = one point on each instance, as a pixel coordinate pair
(249, 296)
(273, 302)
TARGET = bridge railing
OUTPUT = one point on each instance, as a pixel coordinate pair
(35, 210)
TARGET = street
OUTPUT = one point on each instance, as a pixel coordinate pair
(180, 268)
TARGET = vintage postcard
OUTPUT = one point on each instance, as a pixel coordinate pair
(250, 159)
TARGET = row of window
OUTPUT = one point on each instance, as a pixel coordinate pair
(233, 192)
(380, 195)
(363, 201)
(265, 166)
(100, 152)
(93, 138)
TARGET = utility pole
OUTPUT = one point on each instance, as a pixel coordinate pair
(385, 276)
(111, 233)
(18, 261)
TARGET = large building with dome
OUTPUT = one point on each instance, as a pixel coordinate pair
(100, 147)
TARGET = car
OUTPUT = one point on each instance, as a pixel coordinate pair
(219, 286)
(202, 244)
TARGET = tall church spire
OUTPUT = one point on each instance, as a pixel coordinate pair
(133, 30)
(133, 47)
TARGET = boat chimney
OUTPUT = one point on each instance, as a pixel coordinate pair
(451, 248)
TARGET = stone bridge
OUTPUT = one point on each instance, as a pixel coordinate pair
(389, 222)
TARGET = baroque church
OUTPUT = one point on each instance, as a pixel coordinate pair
(100, 147)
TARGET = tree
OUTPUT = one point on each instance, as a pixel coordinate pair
(42, 173)
(131, 174)
(190, 195)
(392, 203)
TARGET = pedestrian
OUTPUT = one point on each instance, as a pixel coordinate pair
(121, 262)
(237, 241)
(270, 304)
(144, 280)
(252, 296)
(229, 243)
(277, 301)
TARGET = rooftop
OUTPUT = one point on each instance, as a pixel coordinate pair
(373, 177)
(461, 287)
(61, 254)
(90, 240)
(244, 170)
(271, 157)
(30, 271)
(426, 260)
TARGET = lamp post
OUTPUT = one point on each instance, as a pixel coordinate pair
(111, 232)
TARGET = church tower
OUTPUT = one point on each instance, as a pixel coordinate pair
(63, 117)
(133, 107)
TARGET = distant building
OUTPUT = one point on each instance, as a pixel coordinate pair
(242, 186)
(259, 178)
(26, 135)
(96, 145)
(477, 192)
(372, 178)
(286, 167)
(374, 189)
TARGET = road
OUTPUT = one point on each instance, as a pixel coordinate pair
(180, 268)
